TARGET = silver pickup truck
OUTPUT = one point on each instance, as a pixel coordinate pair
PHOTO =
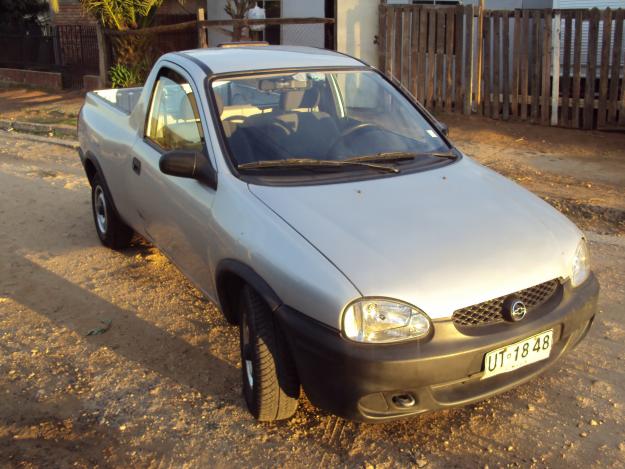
(365, 259)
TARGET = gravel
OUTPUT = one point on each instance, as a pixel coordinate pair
(160, 388)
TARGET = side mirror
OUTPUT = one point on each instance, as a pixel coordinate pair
(444, 128)
(188, 164)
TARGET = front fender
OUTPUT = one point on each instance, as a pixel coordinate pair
(252, 242)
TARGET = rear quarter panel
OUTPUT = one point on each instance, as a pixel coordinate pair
(106, 134)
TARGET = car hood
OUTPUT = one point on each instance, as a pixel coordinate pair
(441, 239)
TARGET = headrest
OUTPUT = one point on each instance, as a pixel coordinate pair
(220, 104)
(311, 98)
(290, 100)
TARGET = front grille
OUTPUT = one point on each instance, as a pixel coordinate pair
(491, 311)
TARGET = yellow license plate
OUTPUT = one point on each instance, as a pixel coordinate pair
(517, 355)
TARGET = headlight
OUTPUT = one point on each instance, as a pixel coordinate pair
(378, 321)
(581, 264)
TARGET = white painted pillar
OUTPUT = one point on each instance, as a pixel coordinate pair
(215, 11)
(356, 28)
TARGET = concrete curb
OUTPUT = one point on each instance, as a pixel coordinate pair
(73, 144)
(32, 127)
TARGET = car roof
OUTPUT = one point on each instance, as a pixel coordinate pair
(247, 58)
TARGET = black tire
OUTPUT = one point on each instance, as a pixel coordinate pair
(274, 389)
(112, 231)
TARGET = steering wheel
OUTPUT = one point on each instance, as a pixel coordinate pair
(350, 132)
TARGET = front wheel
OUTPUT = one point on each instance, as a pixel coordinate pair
(270, 384)
(112, 231)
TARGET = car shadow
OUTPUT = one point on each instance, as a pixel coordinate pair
(69, 305)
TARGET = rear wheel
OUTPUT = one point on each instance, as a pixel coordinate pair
(112, 231)
(270, 384)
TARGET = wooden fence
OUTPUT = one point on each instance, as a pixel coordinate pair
(550, 67)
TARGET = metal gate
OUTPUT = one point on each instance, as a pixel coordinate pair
(77, 49)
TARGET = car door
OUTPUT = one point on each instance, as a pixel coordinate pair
(174, 212)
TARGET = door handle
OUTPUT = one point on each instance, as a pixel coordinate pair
(136, 165)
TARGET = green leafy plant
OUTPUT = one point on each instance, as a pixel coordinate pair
(123, 76)
(132, 53)
(122, 14)
(135, 52)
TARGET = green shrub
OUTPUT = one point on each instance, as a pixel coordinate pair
(124, 77)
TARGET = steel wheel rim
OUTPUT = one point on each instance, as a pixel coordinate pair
(100, 210)
(246, 355)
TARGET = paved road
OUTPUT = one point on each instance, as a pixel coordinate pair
(161, 387)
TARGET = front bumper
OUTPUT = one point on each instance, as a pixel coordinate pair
(359, 381)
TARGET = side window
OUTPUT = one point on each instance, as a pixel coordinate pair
(174, 121)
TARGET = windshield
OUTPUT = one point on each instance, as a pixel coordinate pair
(329, 116)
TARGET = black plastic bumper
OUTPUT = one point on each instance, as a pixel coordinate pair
(360, 381)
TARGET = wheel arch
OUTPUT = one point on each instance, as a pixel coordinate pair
(92, 167)
(90, 170)
(90, 164)
(231, 276)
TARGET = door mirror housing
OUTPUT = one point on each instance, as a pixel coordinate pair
(188, 164)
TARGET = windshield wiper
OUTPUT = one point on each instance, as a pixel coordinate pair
(313, 163)
(400, 156)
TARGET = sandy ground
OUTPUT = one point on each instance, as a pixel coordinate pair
(39, 106)
(160, 388)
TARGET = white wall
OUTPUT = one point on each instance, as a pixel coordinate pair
(215, 11)
(303, 34)
(356, 28)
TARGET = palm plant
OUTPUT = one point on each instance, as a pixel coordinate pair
(132, 52)
(122, 14)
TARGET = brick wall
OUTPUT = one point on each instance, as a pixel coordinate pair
(50, 80)
(173, 7)
(71, 13)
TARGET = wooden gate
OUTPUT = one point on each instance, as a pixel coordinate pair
(550, 67)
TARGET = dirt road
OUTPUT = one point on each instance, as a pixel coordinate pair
(160, 388)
